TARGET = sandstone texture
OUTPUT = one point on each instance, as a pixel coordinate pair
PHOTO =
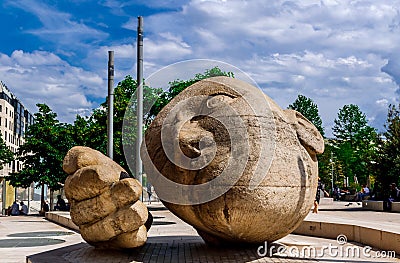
(223, 128)
(104, 200)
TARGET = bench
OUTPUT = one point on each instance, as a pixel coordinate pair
(326, 201)
(347, 197)
(373, 205)
(395, 207)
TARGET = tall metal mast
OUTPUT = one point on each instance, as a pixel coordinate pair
(110, 103)
(139, 111)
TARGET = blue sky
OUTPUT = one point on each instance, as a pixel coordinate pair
(335, 52)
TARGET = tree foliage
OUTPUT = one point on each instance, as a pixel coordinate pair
(177, 86)
(46, 143)
(96, 124)
(389, 156)
(308, 109)
(356, 144)
(125, 100)
(6, 155)
(47, 140)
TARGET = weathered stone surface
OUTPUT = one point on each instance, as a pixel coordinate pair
(90, 181)
(104, 200)
(127, 240)
(125, 191)
(92, 210)
(121, 193)
(124, 220)
(248, 212)
(81, 156)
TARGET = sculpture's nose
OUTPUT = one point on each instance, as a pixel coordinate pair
(195, 140)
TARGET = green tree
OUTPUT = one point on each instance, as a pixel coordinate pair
(6, 155)
(177, 86)
(356, 143)
(329, 166)
(308, 109)
(95, 128)
(46, 143)
(81, 131)
(125, 107)
(389, 155)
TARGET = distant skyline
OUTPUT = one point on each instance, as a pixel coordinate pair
(334, 52)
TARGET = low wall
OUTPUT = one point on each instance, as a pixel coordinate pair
(382, 240)
(62, 218)
(395, 207)
(373, 205)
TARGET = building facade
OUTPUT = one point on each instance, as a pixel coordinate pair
(14, 120)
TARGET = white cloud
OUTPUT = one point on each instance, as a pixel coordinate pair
(331, 51)
(336, 52)
(42, 77)
(166, 48)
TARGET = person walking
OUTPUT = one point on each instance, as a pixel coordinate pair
(320, 188)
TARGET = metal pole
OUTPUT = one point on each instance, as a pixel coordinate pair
(332, 169)
(110, 117)
(139, 110)
(29, 198)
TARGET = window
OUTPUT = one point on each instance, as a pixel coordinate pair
(6, 110)
(6, 123)
(1, 108)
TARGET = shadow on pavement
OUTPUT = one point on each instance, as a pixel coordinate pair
(29, 242)
(161, 208)
(173, 251)
(41, 234)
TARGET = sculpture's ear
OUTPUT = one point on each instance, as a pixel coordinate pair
(307, 133)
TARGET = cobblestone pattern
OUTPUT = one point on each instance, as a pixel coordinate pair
(174, 252)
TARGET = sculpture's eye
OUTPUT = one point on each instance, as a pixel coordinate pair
(219, 100)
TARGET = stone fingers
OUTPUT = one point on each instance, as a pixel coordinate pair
(124, 220)
(104, 200)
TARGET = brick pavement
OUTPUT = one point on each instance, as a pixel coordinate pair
(170, 240)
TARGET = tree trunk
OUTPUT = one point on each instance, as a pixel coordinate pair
(51, 200)
(42, 200)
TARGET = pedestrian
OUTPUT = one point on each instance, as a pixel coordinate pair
(149, 191)
(394, 193)
(363, 193)
(394, 196)
(14, 209)
(320, 188)
(24, 209)
(46, 207)
(60, 205)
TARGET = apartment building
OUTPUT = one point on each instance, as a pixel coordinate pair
(14, 120)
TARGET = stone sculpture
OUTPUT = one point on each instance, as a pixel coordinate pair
(224, 112)
(104, 200)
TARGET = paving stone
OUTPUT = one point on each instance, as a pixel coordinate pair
(167, 243)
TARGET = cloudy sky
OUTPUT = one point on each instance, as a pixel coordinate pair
(336, 52)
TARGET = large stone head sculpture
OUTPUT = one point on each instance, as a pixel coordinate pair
(228, 160)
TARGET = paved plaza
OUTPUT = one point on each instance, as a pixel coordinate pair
(34, 239)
